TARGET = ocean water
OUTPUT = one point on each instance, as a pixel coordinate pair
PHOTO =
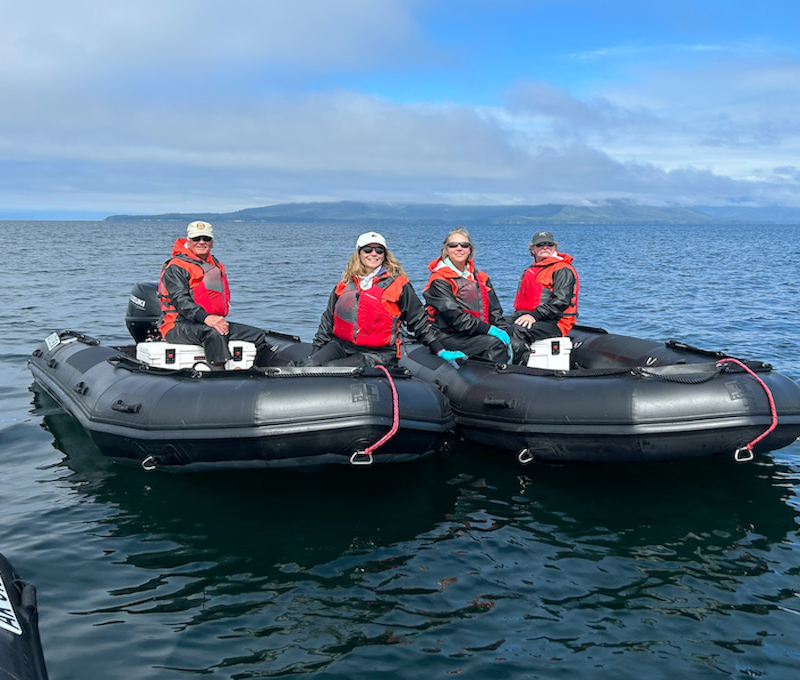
(464, 564)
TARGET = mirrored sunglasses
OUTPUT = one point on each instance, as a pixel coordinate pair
(544, 244)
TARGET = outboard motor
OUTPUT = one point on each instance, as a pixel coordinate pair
(144, 312)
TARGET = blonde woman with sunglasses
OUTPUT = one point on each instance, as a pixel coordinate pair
(462, 304)
(361, 324)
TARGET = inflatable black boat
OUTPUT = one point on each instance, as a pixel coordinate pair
(21, 656)
(279, 416)
(620, 399)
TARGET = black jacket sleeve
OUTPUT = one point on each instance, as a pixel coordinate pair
(413, 313)
(325, 331)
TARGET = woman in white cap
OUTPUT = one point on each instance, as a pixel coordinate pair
(361, 324)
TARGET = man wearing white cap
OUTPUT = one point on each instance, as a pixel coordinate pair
(195, 300)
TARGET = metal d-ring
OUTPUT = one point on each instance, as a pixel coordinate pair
(525, 456)
(361, 458)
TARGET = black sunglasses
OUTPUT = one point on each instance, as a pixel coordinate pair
(378, 249)
(201, 238)
(548, 244)
(460, 244)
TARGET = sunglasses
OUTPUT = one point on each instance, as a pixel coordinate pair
(201, 238)
(370, 249)
(544, 244)
(460, 244)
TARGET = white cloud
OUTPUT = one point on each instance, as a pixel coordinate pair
(130, 45)
(155, 106)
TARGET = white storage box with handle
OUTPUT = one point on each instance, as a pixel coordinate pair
(552, 353)
(163, 354)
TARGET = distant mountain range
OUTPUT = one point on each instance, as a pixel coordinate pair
(614, 212)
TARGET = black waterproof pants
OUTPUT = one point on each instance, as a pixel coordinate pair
(340, 353)
(481, 346)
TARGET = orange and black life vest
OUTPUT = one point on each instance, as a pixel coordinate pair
(472, 294)
(369, 318)
(207, 282)
(536, 288)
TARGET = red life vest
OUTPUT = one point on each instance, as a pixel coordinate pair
(369, 318)
(207, 283)
(536, 288)
(471, 295)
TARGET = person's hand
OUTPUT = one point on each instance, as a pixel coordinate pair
(451, 356)
(526, 321)
(218, 323)
(500, 334)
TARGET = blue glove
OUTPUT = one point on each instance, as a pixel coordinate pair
(500, 334)
(450, 356)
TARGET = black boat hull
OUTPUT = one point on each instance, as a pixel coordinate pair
(281, 417)
(625, 400)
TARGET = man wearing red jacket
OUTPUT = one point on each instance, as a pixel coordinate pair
(546, 304)
(195, 300)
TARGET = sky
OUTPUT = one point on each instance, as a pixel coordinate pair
(155, 106)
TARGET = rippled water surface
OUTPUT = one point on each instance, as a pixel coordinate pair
(465, 564)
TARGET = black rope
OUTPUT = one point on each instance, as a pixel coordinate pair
(573, 373)
(85, 339)
(679, 379)
(309, 373)
(131, 364)
(637, 371)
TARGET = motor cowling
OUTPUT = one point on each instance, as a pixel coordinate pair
(144, 311)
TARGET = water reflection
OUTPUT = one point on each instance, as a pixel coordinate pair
(268, 518)
(648, 503)
(677, 559)
(466, 564)
(266, 560)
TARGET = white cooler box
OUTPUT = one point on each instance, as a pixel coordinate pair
(169, 355)
(552, 353)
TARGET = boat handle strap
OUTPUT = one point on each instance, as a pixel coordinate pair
(122, 407)
(500, 403)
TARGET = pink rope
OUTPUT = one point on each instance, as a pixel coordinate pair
(772, 408)
(395, 416)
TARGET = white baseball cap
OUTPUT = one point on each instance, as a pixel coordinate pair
(370, 237)
(199, 228)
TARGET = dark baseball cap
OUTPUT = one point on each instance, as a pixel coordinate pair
(542, 237)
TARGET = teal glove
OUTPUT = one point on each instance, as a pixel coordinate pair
(500, 334)
(450, 356)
